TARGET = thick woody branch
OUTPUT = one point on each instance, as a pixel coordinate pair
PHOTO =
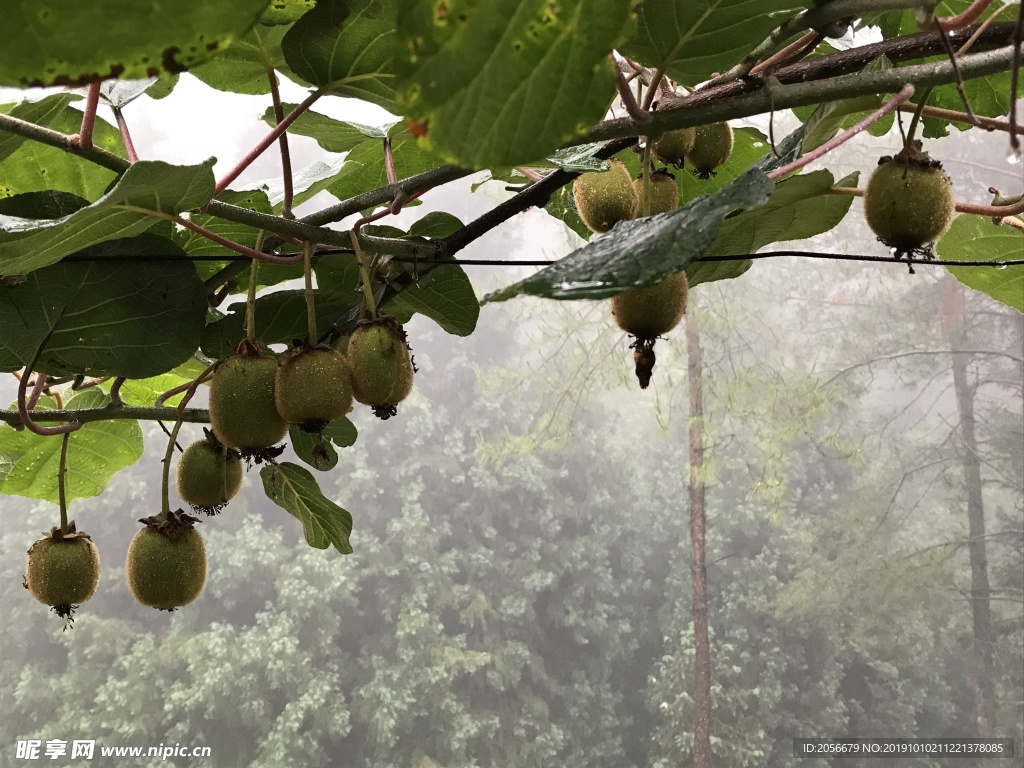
(83, 416)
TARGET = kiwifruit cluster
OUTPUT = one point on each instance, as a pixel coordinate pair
(909, 201)
(705, 147)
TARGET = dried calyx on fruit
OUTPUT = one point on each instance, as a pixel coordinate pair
(381, 364)
(604, 198)
(909, 201)
(647, 313)
(209, 474)
(63, 570)
(313, 387)
(243, 413)
(712, 146)
(663, 191)
(673, 147)
(166, 566)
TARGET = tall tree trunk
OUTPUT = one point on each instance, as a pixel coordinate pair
(981, 611)
(698, 568)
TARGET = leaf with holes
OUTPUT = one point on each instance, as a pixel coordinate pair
(96, 452)
(313, 449)
(147, 187)
(502, 83)
(79, 43)
(133, 318)
(295, 490)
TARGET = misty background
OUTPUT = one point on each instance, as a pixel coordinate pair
(519, 594)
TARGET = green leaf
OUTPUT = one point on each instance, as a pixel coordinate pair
(829, 117)
(26, 245)
(285, 11)
(49, 204)
(332, 135)
(436, 224)
(79, 43)
(347, 46)
(96, 452)
(296, 491)
(800, 207)
(313, 449)
(562, 206)
(196, 245)
(125, 318)
(35, 166)
(644, 251)
(975, 238)
(242, 68)
(311, 180)
(341, 432)
(699, 37)
(280, 318)
(42, 112)
(364, 167)
(445, 295)
(502, 82)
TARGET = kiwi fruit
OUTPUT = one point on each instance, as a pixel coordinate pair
(909, 200)
(166, 566)
(313, 387)
(663, 191)
(652, 311)
(673, 147)
(209, 475)
(243, 413)
(712, 146)
(381, 364)
(63, 570)
(605, 198)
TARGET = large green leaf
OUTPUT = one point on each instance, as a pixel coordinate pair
(99, 317)
(800, 207)
(78, 43)
(280, 318)
(503, 82)
(26, 244)
(42, 112)
(974, 238)
(332, 135)
(295, 490)
(347, 46)
(34, 166)
(445, 295)
(242, 68)
(696, 38)
(644, 251)
(96, 452)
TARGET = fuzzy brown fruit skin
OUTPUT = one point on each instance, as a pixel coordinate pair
(711, 148)
(908, 203)
(381, 365)
(243, 413)
(650, 312)
(62, 572)
(663, 191)
(605, 198)
(208, 477)
(313, 387)
(673, 147)
(166, 571)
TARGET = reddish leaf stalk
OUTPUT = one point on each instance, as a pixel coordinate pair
(995, 211)
(126, 137)
(37, 390)
(286, 157)
(636, 113)
(23, 410)
(115, 390)
(905, 93)
(190, 387)
(92, 100)
(267, 140)
(237, 247)
(968, 17)
(791, 53)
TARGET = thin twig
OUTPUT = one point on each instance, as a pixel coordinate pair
(126, 137)
(956, 71)
(988, 123)
(965, 19)
(791, 53)
(905, 93)
(115, 391)
(92, 100)
(237, 247)
(994, 211)
(61, 481)
(286, 158)
(636, 113)
(1018, 39)
(266, 141)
